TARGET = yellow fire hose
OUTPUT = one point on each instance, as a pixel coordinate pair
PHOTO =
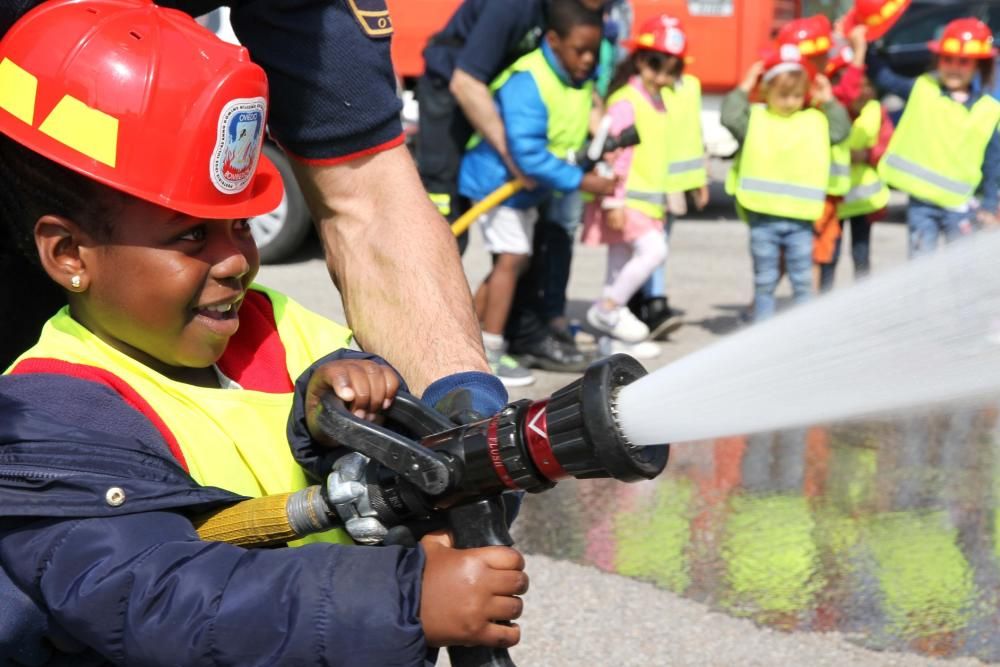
(257, 522)
(492, 199)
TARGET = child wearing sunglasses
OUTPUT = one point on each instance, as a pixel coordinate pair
(645, 91)
(946, 144)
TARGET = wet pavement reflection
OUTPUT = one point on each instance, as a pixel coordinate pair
(888, 532)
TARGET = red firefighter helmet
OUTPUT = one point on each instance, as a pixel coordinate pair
(877, 15)
(840, 57)
(142, 99)
(779, 58)
(965, 38)
(813, 35)
(662, 33)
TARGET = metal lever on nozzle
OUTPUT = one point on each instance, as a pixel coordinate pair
(414, 463)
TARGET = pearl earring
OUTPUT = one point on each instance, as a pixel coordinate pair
(75, 282)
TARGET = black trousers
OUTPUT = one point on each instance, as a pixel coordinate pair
(444, 133)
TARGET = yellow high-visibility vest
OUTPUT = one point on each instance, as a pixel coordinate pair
(686, 148)
(936, 153)
(868, 193)
(784, 164)
(646, 184)
(234, 439)
(568, 107)
(840, 169)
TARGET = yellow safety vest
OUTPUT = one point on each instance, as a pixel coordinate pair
(646, 184)
(568, 107)
(840, 169)
(685, 149)
(784, 165)
(233, 439)
(936, 153)
(868, 193)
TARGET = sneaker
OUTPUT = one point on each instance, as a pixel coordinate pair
(646, 349)
(505, 367)
(619, 323)
(551, 355)
(660, 317)
(574, 336)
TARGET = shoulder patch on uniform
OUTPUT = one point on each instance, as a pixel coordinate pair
(373, 15)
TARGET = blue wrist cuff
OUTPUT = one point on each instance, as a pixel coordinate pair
(487, 392)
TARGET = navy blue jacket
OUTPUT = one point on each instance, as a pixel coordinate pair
(86, 583)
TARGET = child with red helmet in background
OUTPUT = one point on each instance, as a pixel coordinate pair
(781, 174)
(946, 143)
(868, 195)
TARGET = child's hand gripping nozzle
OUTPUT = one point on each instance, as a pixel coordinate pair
(429, 469)
(586, 158)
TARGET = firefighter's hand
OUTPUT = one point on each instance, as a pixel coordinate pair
(365, 387)
(465, 590)
(598, 185)
(822, 91)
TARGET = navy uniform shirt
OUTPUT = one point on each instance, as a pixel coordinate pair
(483, 37)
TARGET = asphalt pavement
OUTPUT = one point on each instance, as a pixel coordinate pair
(578, 615)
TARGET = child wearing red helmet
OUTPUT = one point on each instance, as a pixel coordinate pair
(868, 195)
(130, 146)
(631, 221)
(781, 174)
(946, 146)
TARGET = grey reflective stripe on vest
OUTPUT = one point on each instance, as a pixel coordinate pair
(655, 198)
(925, 174)
(863, 191)
(788, 189)
(840, 169)
(684, 166)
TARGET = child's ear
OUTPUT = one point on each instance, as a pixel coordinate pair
(59, 241)
(552, 37)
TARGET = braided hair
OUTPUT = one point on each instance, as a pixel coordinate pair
(32, 186)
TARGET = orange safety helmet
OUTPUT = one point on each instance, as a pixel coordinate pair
(877, 15)
(965, 38)
(142, 99)
(663, 34)
(813, 35)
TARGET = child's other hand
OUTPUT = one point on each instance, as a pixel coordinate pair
(752, 76)
(598, 185)
(365, 387)
(464, 590)
(822, 91)
(701, 198)
(615, 217)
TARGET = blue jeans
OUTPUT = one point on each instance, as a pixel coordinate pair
(927, 222)
(656, 286)
(768, 237)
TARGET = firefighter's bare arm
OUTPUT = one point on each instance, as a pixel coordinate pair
(477, 104)
(395, 263)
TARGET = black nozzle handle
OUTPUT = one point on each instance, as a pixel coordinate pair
(407, 458)
(481, 523)
(421, 420)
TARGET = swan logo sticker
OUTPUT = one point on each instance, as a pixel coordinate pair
(237, 148)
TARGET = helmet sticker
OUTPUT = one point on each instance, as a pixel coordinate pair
(675, 41)
(237, 148)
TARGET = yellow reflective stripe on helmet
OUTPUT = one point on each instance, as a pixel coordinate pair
(88, 130)
(17, 91)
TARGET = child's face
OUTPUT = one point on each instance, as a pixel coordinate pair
(166, 288)
(658, 70)
(956, 73)
(577, 51)
(785, 100)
